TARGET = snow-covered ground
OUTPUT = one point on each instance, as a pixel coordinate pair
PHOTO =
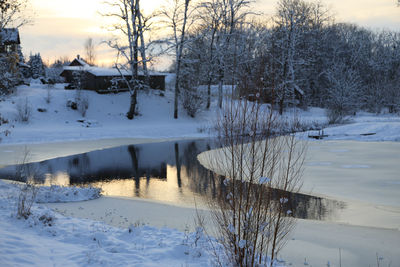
(50, 239)
(365, 127)
(73, 241)
(105, 117)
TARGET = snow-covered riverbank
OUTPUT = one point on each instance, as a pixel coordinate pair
(49, 239)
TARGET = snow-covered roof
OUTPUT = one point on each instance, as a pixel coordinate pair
(79, 62)
(82, 62)
(9, 36)
(99, 71)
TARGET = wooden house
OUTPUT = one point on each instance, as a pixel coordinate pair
(9, 40)
(10, 51)
(105, 80)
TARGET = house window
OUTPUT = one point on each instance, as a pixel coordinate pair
(9, 48)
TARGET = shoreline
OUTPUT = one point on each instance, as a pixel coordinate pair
(316, 241)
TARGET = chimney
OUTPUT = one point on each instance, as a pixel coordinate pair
(78, 56)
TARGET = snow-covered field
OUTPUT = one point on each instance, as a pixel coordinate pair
(72, 241)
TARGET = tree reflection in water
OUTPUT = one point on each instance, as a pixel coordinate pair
(167, 171)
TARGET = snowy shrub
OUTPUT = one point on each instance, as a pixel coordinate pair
(48, 96)
(56, 194)
(72, 104)
(24, 110)
(6, 83)
(26, 198)
(335, 115)
(82, 102)
(83, 105)
(192, 102)
(47, 218)
(3, 120)
(344, 92)
(10, 75)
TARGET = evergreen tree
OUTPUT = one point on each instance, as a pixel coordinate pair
(37, 66)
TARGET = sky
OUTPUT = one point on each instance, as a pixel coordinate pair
(61, 27)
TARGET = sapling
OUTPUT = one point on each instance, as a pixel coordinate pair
(28, 189)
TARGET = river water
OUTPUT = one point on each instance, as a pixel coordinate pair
(350, 182)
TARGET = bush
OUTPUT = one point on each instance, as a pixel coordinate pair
(83, 105)
(336, 115)
(82, 102)
(24, 110)
(192, 102)
(28, 190)
(48, 96)
(26, 199)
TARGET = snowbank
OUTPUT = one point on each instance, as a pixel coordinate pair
(54, 194)
(49, 239)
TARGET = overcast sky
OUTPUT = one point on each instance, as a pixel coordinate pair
(61, 26)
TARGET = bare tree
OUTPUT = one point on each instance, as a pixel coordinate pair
(176, 18)
(291, 20)
(344, 91)
(232, 14)
(211, 16)
(131, 26)
(12, 13)
(90, 51)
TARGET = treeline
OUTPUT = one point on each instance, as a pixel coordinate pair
(298, 57)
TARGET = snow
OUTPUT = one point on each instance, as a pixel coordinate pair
(366, 127)
(56, 194)
(50, 239)
(106, 114)
(9, 35)
(97, 71)
(100, 71)
(96, 232)
(105, 119)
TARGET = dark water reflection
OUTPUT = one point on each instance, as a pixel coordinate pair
(167, 172)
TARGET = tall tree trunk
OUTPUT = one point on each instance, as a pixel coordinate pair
(132, 108)
(134, 64)
(220, 85)
(210, 72)
(176, 96)
(143, 49)
(179, 49)
(209, 93)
